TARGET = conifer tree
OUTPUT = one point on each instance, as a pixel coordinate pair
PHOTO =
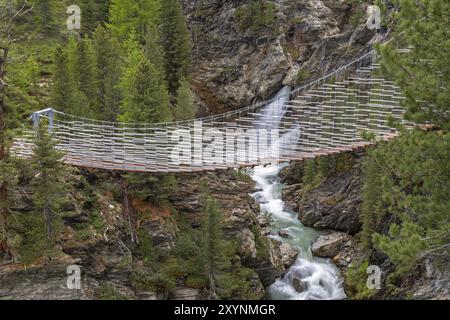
(48, 189)
(94, 14)
(423, 73)
(176, 41)
(107, 57)
(324, 164)
(149, 101)
(45, 13)
(184, 107)
(213, 245)
(310, 171)
(85, 70)
(140, 16)
(62, 81)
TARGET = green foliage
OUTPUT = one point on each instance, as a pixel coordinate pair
(310, 171)
(66, 94)
(48, 188)
(45, 13)
(302, 76)
(213, 246)
(155, 275)
(31, 240)
(152, 280)
(107, 291)
(402, 245)
(144, 92)
(368, 135)
(93, 13)
(153, 188)
(325, 165)
(126, 16)
(262, 243)
(108, 60)
(406, 182)
(84, 73)
(357, 12)
(423, 73)
(184, 107)
(176, 42)
(256, 16)
(356, 282)
(147, 98)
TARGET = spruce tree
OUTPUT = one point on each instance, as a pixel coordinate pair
(184, 107)
(45, 13)
(213, 245)
(149, 101)
(108, 59)
(63, 82)
(94, 14)
(48, 188)
(423, 73)
(85, 71)
(310, 171)
(126, 16)
(176, 41)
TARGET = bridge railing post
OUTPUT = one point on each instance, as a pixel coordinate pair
(36, 117)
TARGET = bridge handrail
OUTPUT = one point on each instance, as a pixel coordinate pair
(229, 113)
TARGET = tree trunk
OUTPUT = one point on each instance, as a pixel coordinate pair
(48, 216)
(128, 213)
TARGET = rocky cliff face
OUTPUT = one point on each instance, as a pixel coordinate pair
(241, 222)
(331, 203)
(235, 64)
(98, 237)
(334, 204)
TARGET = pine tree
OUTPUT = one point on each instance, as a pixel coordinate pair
(423, 73)
(213, 245)
(406, 182)
(85, 71)
(45, 13)
(94, 14)
(66, 96)
(48, 190)
(324, 164)
(107, 56)
(176, 41)
(148, 101)
(63, 82)
(184, 107)
(132, 58)
(126, 16)
(310, 171)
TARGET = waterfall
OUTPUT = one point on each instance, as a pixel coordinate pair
(273, 112)
(309, 278)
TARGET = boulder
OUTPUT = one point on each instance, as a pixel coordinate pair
(330, 245)
(299, 285)
(288, 254)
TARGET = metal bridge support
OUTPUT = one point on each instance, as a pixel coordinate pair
(49, 113)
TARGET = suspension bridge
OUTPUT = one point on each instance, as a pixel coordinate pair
(324, 117)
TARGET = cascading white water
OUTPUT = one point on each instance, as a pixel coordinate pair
(309, 278)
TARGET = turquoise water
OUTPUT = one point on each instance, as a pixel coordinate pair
(319, 276)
